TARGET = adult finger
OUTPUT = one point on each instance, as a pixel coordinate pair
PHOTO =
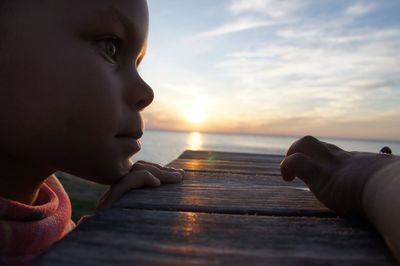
(137, 179)
(301, 166)
(310, 146)
(166, 177)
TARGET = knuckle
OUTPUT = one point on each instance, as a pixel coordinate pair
(139, 174)
(303, 144)
(298, 155)
(289, 160)
(146, 167)
(293, 160)
(308, 139)
(295, 147)
(146, 174)
(138, 166)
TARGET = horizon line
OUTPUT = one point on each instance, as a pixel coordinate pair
(270, 135)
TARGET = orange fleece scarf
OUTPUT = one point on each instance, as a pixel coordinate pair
(26, 231)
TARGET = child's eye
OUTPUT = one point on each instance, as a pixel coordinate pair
(109, 48)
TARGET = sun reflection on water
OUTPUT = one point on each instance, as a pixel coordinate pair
(195, 141)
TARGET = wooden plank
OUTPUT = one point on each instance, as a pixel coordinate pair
(249, 168)
(229, 156)
(237, 180)
(229, 193)
(225, 162)
(142, 237)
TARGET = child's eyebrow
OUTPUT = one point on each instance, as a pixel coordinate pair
(130, 27)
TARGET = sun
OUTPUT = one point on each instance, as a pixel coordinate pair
(196, 115)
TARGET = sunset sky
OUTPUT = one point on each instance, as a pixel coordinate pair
(295, 67)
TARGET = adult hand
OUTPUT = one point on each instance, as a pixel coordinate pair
(336, 177)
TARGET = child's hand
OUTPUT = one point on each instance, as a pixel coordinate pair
(336, 177)
(143, 174)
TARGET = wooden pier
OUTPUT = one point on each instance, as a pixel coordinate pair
(232, 209)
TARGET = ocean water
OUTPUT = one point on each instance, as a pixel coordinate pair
(164, 146)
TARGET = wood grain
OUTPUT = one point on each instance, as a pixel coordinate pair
(142, 237)
(229, 193)
(249, 168)
(229, 156)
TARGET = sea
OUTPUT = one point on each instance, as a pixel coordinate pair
(163, 147)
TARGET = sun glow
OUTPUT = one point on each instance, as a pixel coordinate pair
(196, 115)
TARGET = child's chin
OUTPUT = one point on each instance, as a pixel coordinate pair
(109, 174)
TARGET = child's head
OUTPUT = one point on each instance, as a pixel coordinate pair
(70, 90)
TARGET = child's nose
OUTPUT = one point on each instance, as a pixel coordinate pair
(139, 93)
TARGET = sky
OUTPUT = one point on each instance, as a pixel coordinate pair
(293, 67)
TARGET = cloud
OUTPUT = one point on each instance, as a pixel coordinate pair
(360, 9)
(273, 8)
(337, 35)
(330, 72)
(375, 126)
(253, 14)
(236, 26)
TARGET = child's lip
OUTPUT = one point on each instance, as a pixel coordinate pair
(130, 134)
(133, 145)
(130, 140)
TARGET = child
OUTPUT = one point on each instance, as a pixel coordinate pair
(71, 98)
(353, 184)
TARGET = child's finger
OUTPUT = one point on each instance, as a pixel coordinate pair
(137, 179)
(166, 177)
(149, 163)
(301, 166)
(164, 168)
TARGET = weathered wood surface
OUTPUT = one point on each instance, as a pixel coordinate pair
(221, 215)
(229, 193)
(226, 163)
(128, 237)
(231, 157)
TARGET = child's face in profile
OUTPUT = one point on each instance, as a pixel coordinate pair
(70, 90)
